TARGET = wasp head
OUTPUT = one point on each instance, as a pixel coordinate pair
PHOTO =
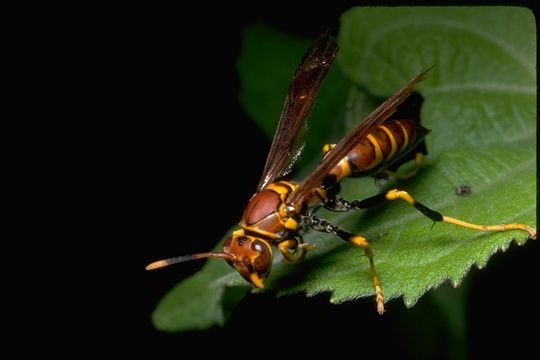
(250, 256)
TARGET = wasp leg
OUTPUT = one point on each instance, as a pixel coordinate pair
(338, 204)
(436, 216)
(418, 162)
(292, 251)
(325, 226)
(327, 147)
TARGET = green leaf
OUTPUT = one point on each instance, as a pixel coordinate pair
(198, 302)
(480, 102)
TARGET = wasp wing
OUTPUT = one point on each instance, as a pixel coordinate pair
(302, 90)
(356, 135)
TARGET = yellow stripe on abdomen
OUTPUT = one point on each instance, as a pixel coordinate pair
(392, 139)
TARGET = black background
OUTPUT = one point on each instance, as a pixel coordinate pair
(196, 159)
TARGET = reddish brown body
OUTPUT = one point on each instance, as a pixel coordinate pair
(262, 214)
(266, 214)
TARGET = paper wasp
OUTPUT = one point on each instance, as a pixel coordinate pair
(281, 209)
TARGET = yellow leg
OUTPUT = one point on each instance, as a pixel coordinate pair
(364, 244)
(436, 216)
(418, 161)
(326, 148)
(292, 251)
(322, 225)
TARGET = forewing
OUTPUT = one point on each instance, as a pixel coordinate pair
(356, 135)
(304, 86)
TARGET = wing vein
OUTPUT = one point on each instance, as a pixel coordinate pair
(302, 90)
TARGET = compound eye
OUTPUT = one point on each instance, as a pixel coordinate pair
(263, 261)
(258, 246)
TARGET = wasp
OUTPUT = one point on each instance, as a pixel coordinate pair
(281, 210)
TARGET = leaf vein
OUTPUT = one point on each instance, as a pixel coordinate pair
(417, 22)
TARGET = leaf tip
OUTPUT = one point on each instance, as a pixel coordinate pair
(522, 241)
(332, 301)
(409, 303)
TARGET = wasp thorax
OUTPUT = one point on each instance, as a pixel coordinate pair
(251, 257)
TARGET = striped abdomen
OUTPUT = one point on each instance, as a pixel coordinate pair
(386, 144)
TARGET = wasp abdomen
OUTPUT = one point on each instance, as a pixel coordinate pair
(384, 145)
